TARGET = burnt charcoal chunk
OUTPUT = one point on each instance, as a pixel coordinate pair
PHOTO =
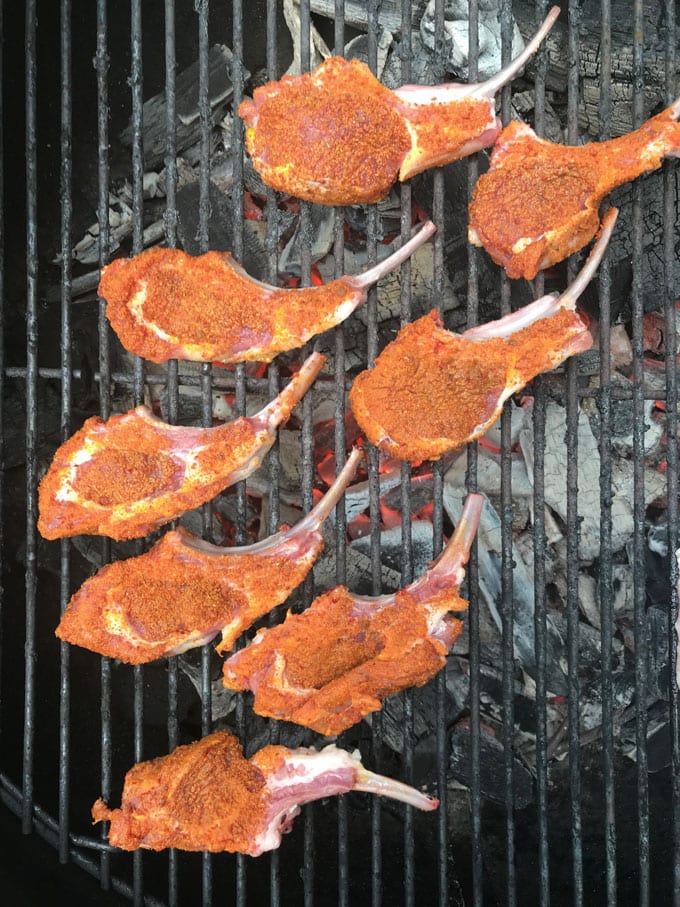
(220, 228)
(491, 764)
(187, 123)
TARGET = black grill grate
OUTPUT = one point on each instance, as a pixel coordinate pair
(40, 778)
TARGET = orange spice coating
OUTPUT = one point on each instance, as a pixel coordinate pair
(539, 201)
(333, 664)
(177, 595)
(165, 304)
(449, 387)
(441, 131)
(335, 130)
(338, 137)
(203, 796)
(137, 476)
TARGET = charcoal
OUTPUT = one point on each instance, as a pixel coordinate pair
(357, 49)
(588, 60)
(187, 123)
(555, 469)
(220, 228)
(424, 710)
(491, 765)
(658, 655)
(659, 749)
(318, 49)
(357, 496)
(356, 12)
(489, 553)
(318, 239)
(489, 474)
(420, 494)
(391, 552)
(455, 41)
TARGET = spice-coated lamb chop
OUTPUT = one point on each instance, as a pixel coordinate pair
(184, 591)
(206, 796)
(539, 201)
(164, 304)
(338, 137)
(333, 664)
(133, 473)
(452, 386)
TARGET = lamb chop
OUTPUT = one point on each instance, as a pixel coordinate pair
(164, 304)
(129, 475)
(539, 201)
(453, 386)
(333, 664)
(338, 137)
(206, 796)
(184, 591)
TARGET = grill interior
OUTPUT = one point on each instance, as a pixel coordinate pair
(585, 818)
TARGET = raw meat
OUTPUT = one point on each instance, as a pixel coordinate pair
(539, 201)
(452, 386)
(206, 796)
(338, 137)
(333, 664)
(129, 475)
(164, 304)
(184, 591)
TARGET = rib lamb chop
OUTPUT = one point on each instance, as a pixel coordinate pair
(206, 796)
(452, 386)
(338, 137)
(164, 304)
(539, 201)
(184, 591)
(333, 664)
(129, 475)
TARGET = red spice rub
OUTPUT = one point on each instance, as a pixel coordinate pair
(539, 201)
(139, 473)
(204, 796)
(451, 388)
(165, 304)
(327, 136)
(333, 664)
(137, 476)
(177, 596)
(338, 137)
(441, 131)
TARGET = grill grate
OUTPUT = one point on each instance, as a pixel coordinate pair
(41, 779)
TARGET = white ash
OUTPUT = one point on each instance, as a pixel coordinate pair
(588, 473)
(318, 48)
(457, 36)
(357, 49)
(489, 554)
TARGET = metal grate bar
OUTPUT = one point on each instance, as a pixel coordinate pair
(539, 543)
(102, 66)
(507, 581)
(598, 385)
(170, 222)
(472, 318)
(605, 577)
(2, 360)
(340, 441)
(639, 564)
(673, 462)
(572, 417)
(137, 166)
(65, 546)
(31, 409)
(438, 190)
